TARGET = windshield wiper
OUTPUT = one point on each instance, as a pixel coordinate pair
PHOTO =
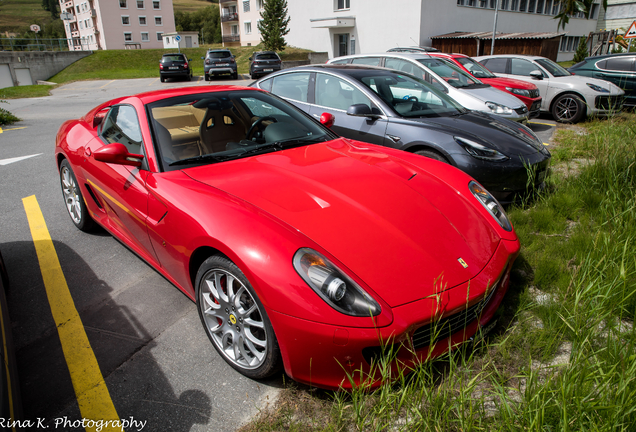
(206, 157)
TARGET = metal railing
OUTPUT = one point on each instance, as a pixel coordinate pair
(25, 44)
(233, 38)
(229, 17)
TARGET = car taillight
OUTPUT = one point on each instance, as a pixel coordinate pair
(232, 61)
(207, 61)
(160, 66)
(185, 65)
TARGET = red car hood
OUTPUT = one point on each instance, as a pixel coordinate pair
(509, 82)
(369, 210)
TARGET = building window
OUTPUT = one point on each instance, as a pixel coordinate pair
(246, 6)
(594, 12)
(158, 21)
(142, 20)
(125, 20)
(234, 30)
(159, 36)
(539, 6)
(140, 4)
(123, 4)
(128, 37)
(259, 4)
(81, 23)
(77, 9)
(156, 5)
(341, 4)
(248, 27)
(145, 37)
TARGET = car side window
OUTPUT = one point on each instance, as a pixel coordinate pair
(620, 64)
(292, 86)
(266, 84)
(121, 125)
(522, 67)
(332, 92)
(367, 61)
(496, 65)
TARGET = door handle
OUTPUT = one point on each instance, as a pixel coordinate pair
(87, 152)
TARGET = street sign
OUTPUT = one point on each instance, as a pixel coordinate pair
(35, 28)
(177, 38)
(631, 31)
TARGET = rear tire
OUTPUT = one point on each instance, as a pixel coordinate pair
(74, 200)
(235, 75)
(235, 319)
(432, 155)
(162, 79)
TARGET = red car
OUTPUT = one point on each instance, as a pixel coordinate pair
(527, 92)
(302, 250)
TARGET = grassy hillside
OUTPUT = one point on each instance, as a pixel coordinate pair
(16, 15)
(118, 64)
(190, 5)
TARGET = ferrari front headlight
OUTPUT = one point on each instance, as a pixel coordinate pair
(333, 286)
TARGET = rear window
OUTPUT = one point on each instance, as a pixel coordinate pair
(219, 54)
(172, 58)
(270, 56)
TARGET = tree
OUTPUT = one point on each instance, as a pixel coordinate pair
(570, 7)
(273, 26)
(581, 51)
(51, 6)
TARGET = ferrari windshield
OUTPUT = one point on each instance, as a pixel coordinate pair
(221, 126)
(410, 97)
(475, 68)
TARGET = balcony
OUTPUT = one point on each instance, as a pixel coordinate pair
(67, 5)
(75, 34)
(229, 17)
(227, 1)
(232, 38)
(93, 13)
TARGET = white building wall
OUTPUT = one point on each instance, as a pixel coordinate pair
(252, 17)
(380, 25)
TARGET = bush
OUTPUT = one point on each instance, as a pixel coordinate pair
(6, 117)
(581, 52)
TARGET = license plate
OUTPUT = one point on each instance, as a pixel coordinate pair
(535, 105)
(483, 331)
(222, 64)
(173, 67)
(268, 70)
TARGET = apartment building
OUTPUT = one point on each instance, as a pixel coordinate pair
(620, 14)
(116, 24)
(341, 27)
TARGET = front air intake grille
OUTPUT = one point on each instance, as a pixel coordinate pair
(522, 110)
(434, 332)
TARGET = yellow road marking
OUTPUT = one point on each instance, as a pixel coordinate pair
(544, 124)
(110, 82)
(546, 143)
(153, 81)
(91, 392)
(23, 127)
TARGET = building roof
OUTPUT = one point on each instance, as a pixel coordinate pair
(488, 35)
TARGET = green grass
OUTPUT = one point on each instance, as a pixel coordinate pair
(25, 91)
(15, 15)
(564, 357)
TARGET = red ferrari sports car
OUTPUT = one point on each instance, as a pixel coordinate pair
(302, 250)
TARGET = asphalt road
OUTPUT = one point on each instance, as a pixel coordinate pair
(157, 362)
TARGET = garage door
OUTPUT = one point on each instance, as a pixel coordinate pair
(5, 76)
(23, 76)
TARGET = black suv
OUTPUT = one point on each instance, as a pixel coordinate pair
(264, 62)
(218, 62)
(174, 65)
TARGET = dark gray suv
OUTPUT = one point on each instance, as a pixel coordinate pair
(264, 62)
(219, 62)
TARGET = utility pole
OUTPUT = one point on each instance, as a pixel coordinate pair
(494, 28)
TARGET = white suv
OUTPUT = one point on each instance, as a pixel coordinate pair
(566, 96)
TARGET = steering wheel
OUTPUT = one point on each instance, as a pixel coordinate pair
(414, 99)
(257, 123)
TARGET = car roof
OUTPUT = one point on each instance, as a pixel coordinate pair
(351, 70)
(172, 54)
(412, 56)
(530, 57)
(602, 56)
(264, 52)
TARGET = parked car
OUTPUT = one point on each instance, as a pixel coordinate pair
(569, 98)
(302, 250)
(459, 85)
(264, 62)
(174, 65)
(619, 69)
(417, 49)
(219, 62)
(381, 106)
(527, 92)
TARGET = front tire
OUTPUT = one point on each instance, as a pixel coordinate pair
(432, 155)
(235, 320)
(568, 108)
(74, 200)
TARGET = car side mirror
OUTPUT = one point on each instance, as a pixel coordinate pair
(536, 74)
(250, 59)
(327, 119)
(117, 153)
(361, 110)
(202, 58)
